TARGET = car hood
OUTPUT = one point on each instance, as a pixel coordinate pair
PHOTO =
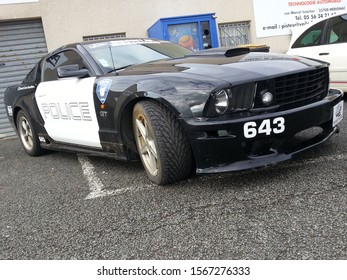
(186, 83)
(234, 70)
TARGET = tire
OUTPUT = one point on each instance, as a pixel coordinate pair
(161, 143)
(27, 135)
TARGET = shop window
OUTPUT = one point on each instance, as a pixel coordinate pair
(104, 36)
(234, 34)
(194, 32)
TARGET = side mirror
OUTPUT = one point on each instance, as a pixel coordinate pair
(72, 70)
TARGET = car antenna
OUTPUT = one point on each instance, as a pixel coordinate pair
(114, 67)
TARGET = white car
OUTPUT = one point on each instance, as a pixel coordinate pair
(327, 41)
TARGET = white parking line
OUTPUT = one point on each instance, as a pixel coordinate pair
(96, 187)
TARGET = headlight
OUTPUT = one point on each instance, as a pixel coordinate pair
(238, 98)
(221, 100)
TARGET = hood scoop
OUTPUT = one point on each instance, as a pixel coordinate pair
(227, 52)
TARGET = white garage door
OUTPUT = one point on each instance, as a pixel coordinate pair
(22, 44)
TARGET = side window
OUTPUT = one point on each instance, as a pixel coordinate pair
(63, 58)
(338, 30)
(34, 75)
(311, 37)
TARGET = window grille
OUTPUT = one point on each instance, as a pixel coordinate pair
(234, 34)
(104, 36)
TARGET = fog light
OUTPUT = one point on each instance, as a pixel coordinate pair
(267, 98)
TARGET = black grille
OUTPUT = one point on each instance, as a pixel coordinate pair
(301, 88)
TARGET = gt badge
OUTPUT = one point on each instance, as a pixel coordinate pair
(102, 89)
(103, 114)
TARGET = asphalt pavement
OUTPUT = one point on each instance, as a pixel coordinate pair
(68, 206)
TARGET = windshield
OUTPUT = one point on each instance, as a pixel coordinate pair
(115, 55)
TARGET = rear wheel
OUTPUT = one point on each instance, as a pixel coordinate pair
(28, 135)
(161, 143)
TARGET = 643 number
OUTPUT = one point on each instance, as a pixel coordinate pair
(267, 127)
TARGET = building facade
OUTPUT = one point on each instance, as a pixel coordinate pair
(66, 21)
(31, 28)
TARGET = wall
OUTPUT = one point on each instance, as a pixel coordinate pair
(67, 21)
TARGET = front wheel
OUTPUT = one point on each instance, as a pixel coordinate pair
(28, 135)
(161, 143)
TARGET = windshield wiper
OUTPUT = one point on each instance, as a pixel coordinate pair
(120, 68)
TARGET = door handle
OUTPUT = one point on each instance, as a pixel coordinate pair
(324, 53)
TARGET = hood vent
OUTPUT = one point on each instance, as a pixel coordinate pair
(227, 52)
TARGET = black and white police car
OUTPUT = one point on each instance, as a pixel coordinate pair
(217, 110)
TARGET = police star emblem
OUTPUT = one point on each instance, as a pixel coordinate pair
(102, 89)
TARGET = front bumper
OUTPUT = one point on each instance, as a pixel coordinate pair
(221, 146)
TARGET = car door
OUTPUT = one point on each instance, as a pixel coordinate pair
(335, 52)
(66, 104)
(327, 41)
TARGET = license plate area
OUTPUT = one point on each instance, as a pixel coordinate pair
(338, 113)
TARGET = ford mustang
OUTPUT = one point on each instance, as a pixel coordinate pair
(217, 110)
